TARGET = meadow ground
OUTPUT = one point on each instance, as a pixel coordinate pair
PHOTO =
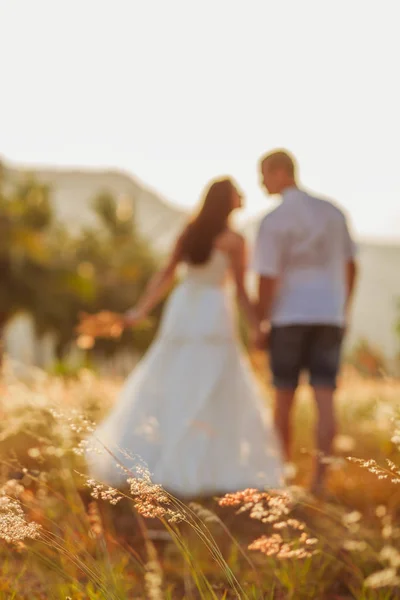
(57, 541)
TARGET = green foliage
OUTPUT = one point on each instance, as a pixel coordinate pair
(54, 276)
(397, 324)
(25, 215)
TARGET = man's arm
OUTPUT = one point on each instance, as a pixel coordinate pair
(350, 250)
(267, 264)
(351, 278)
(266, 296)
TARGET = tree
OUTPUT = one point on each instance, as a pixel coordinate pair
(55, 276)
(397, 324)
(25, 216)
(121, 262)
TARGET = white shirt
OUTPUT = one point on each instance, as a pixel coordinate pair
(306, 244)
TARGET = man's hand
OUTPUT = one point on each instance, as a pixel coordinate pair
(346, 322)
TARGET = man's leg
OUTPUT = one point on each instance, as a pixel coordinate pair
(325, 350)
(286, 347)
(326, 431)
(283, 410)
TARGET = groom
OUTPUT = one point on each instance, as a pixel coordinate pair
(305, 260)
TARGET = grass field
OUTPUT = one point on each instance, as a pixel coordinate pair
(58, 541)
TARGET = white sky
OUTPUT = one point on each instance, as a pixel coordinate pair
(180, 91)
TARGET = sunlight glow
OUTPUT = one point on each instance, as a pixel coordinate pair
(177, 93)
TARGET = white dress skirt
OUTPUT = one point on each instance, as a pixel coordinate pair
(191, 411)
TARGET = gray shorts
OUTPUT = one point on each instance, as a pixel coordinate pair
(315, 349)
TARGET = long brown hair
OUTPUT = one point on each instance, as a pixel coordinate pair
(199, 237)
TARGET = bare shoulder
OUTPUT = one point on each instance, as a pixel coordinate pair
(230, 241)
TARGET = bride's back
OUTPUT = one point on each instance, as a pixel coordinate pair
(213, 272)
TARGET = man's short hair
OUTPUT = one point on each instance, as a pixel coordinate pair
(280, 159)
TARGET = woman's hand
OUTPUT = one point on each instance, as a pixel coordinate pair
(133, 316)
(104, 324)
(259, 336)
(256, 338)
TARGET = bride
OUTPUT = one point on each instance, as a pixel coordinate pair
(191, 411)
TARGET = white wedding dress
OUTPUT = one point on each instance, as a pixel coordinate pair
(191, 410)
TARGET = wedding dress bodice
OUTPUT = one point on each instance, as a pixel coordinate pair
(212, 273)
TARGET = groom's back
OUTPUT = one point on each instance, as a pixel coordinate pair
(305, 243)
(313, 231)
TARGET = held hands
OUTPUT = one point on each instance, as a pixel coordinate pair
(259, 337)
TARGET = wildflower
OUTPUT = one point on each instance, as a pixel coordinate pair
(153, 580)
(249, 495)
(203, 513)
(262, 506)
(334, 462)
(150, 500)
(380, 511)
(344, 443)
(392, 466)
(393, 474)
(311, 541)
(274, 545)
(94, 518)
(12, 488)
(295, 524)
(268, 545)
(13, 525)
(34, 453)
(101, 492)
(351, 518)
(290, 470)
(387, 532)
(391, 555)
(281, 525)
(385, 578)
(354, 546)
